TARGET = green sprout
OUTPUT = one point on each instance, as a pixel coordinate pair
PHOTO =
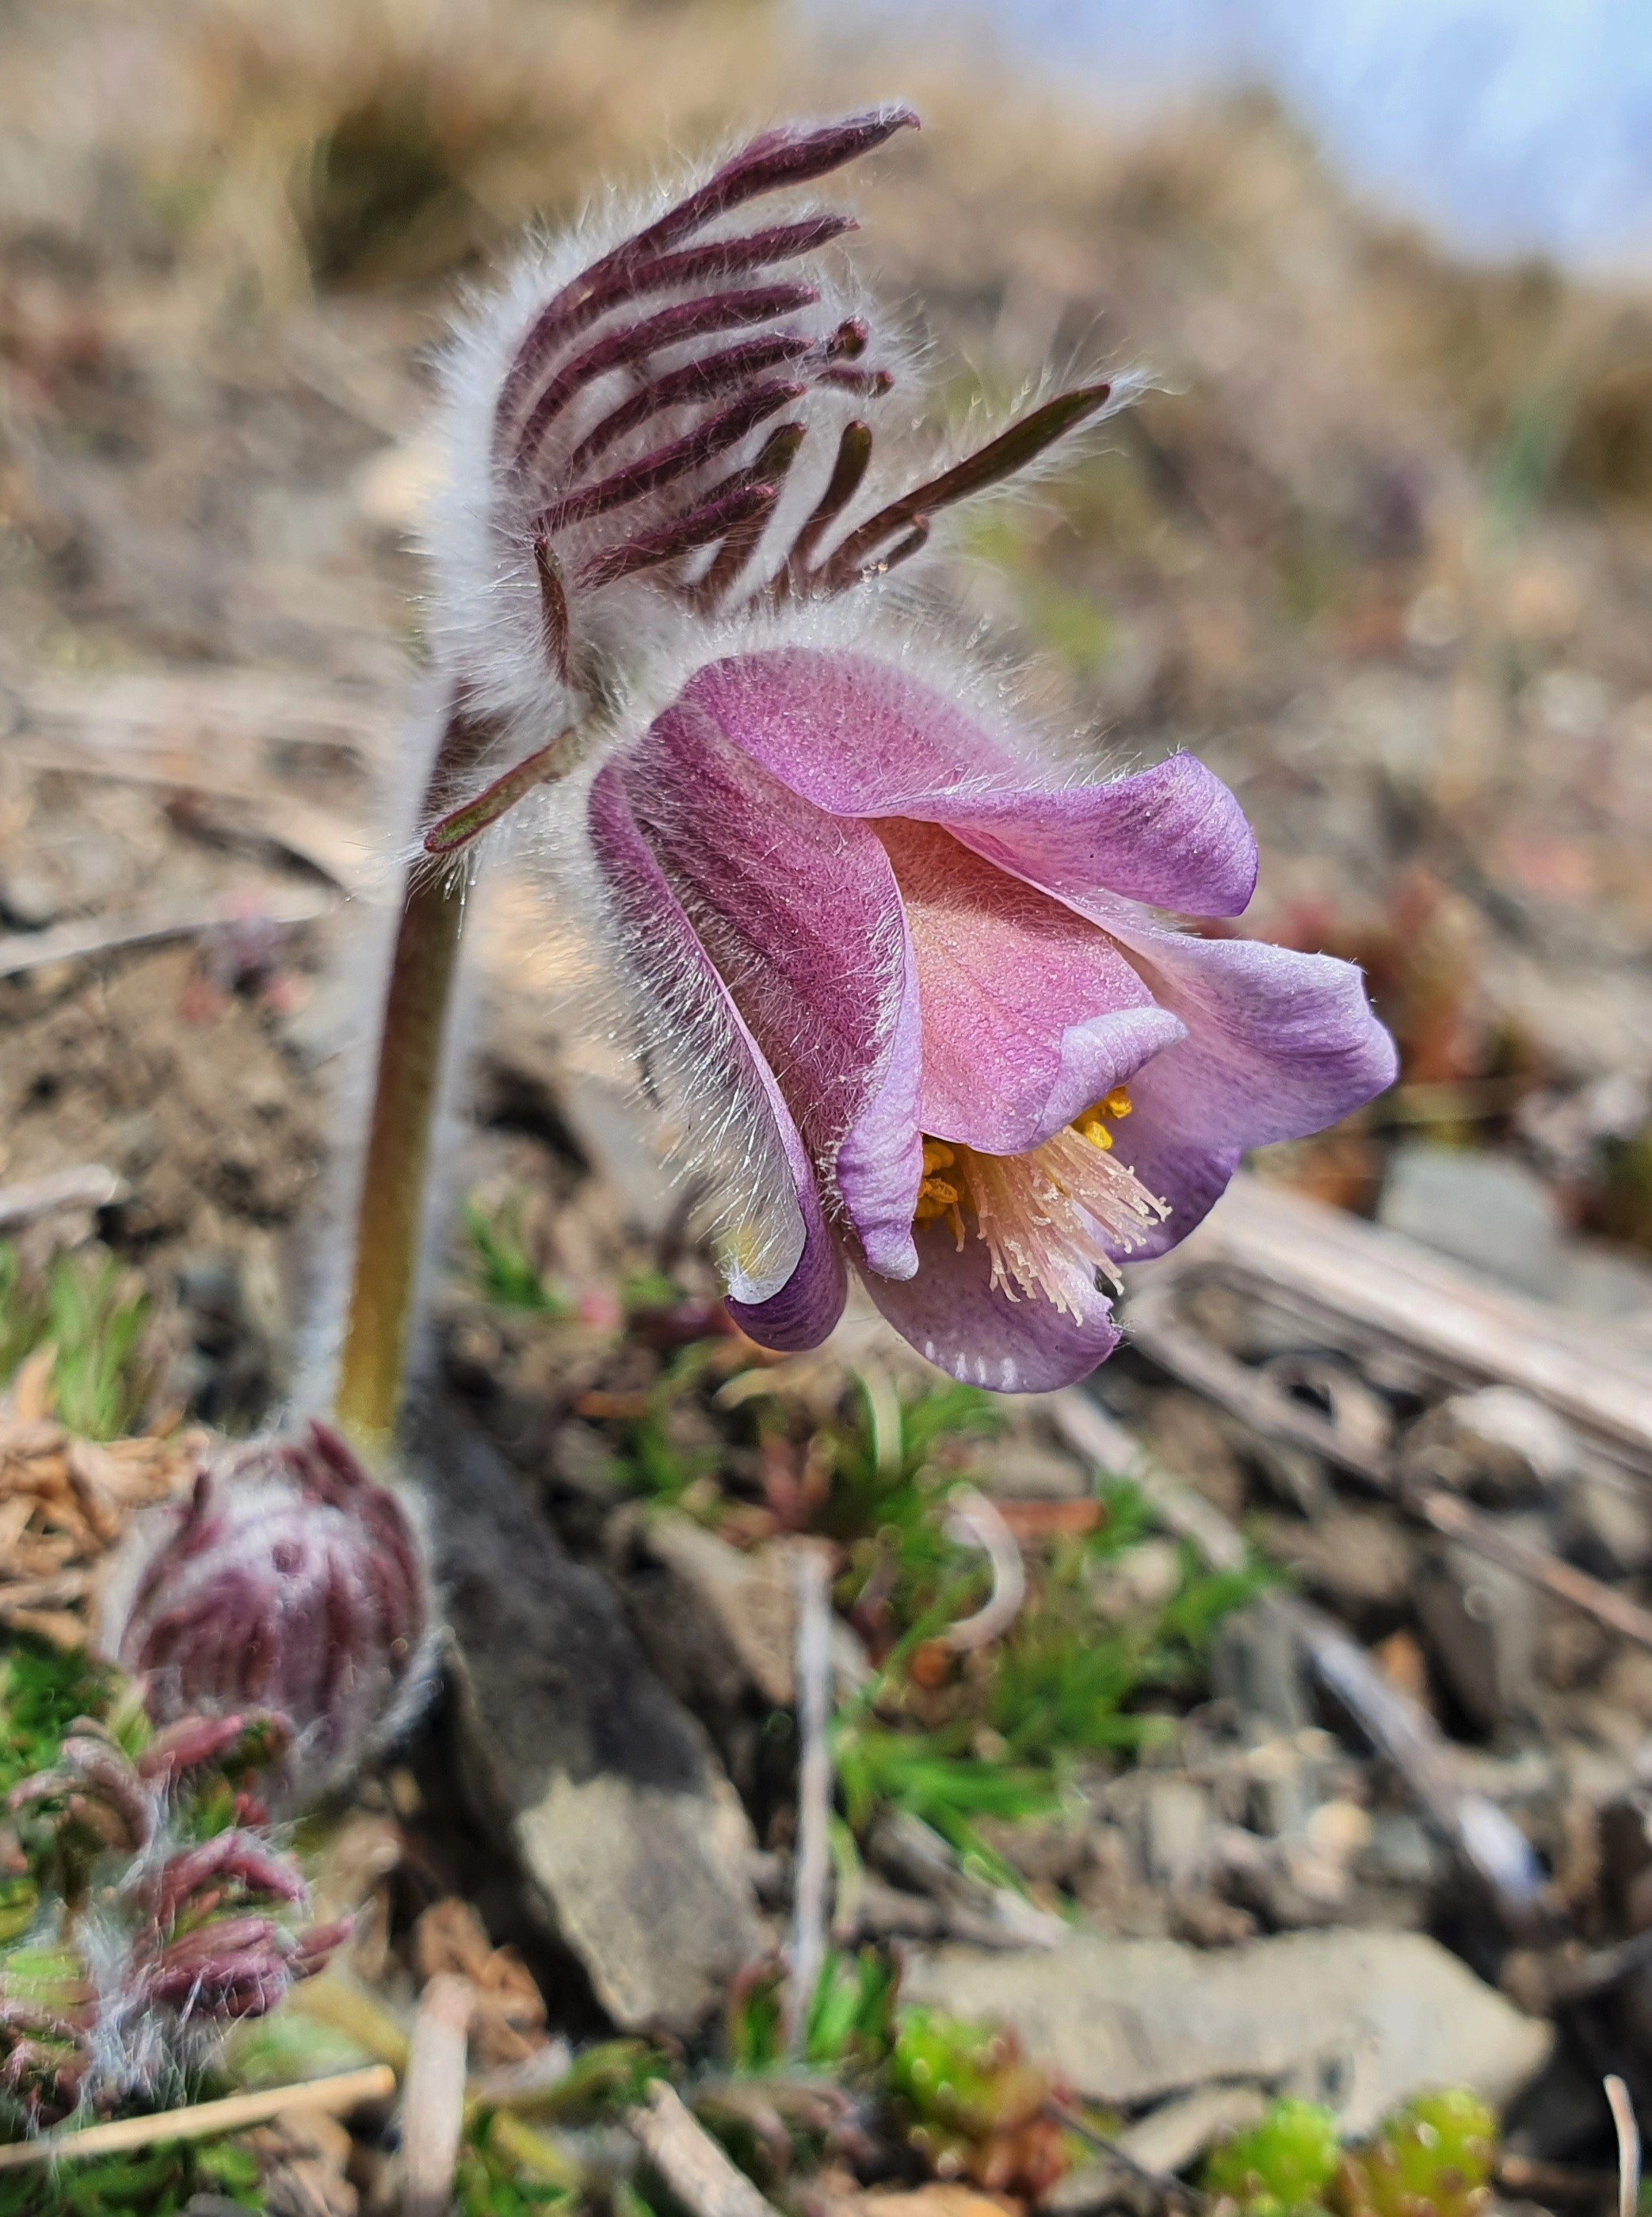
(94, 1322)
(510, 1277)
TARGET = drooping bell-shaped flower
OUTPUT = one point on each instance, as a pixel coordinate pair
(289, 1581)
(913, 987)
(970, 1058)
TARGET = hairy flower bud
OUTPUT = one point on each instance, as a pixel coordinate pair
(289, 1582)
(161, 1937)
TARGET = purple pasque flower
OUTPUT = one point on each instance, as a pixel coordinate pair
(914, 992)
(289, 1581)
(970, 1058)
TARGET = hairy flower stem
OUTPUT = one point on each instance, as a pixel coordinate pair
(389, 1222)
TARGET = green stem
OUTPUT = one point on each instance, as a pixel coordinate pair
(389, 1222)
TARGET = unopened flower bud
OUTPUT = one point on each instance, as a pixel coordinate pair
(289, 1582)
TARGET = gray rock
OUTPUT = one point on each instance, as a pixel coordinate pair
(1256, 1664)
(1022, 1470)
(1176, 1830)
(1606, 1526)
(634, 1846)
(1480, 1629)
(1358, 2019)
(714, 1622)
(1485, 1210)
(1501, 1445)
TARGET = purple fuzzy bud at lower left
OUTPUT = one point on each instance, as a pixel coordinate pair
(290, 1582)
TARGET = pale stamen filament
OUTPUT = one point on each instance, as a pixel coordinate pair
(1044, 1214)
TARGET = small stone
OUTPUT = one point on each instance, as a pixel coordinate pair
(1358, 2019)
(1176, 1825)
(1479, 1627)
(1606, 1527)
(1504, 1447)
(1143, 1578)
(1022, 1470)
(1401, 1851)
(1484, 1210)
(1191, 1439)
(1361, 1560)
(1256, 1665)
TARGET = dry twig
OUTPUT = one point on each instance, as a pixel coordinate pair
(351, 2090)
(1628, 2146)
(811, 1569)
(89, 1185)
(432, 2100)
(690, 2161)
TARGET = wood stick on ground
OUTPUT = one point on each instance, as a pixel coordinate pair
(690, 2161)
(22, 951)
(1165, 2183)
(336, 2097)
(1529, 1560)
(433, 2099)
(1188, 1355)
(1628, 2146)
(89, 1185)
(1384, 1289)
(811, 1569)
(1489, 1843)
(1090, 1431)
(1530, 2179)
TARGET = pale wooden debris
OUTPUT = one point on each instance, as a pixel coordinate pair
(690, 2161)
(1628, 2146)
(433, 2099)
(1386, 1289)
(1188, 1355)
(812, 1568)
(23, 951)
(337, 2096)
(65, 1502)
(89, 1185)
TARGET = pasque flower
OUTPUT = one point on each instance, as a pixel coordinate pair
(920, 983)
(290, 1582)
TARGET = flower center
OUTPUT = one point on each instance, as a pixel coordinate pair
(1050, 1216)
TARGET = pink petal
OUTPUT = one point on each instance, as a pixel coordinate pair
(1030, 1013)
(864, 738)
(1278, 1045)
(796, 1298)
(800, 915)
(950, 1313)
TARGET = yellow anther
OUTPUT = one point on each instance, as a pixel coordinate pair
(1089, 1126)
(937, 1156)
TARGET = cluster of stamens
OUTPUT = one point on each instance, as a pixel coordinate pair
(1045, 1214)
